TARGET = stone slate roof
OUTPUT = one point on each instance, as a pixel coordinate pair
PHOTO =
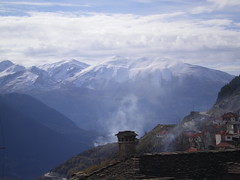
(207, 165)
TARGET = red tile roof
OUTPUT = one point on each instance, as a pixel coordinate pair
(229, 115)
(224, 133)
(194, 134)
(215, 126)
(191, 149)
(224, 145)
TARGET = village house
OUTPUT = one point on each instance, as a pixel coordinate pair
(195, 141)
(226, 130)
(229, 135)
(232, 122)
(221, 133)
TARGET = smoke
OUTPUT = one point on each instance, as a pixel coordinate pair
(194, 123)
(126, 117)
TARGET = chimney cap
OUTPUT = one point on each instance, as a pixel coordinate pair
(126, 133)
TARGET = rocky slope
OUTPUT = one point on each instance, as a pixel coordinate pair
(228, 99)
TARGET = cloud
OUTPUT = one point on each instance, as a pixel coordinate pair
(26, 3)
(162, 1)
(55, 36)
(217, 22)
(144, 1)
(202, 9)
(225, 3)
(234, 69)
(215, 5)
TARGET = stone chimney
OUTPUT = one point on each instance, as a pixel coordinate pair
(127, 142)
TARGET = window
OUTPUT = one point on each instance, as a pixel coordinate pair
(228, 138)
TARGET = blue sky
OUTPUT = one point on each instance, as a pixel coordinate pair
(204, 32)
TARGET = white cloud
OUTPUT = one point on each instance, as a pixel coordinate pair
(41, 4)
(55, 36)
(217, 22)
(233, 69)
(144, 1)
(224, 3)
(163, 1)
(215, 5)
(202, 9)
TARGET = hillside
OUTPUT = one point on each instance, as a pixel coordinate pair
(228, 99)
(163, 137)
(36, 137)
(94, 158)
(229, 89)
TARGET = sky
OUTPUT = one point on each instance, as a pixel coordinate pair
(203, 32)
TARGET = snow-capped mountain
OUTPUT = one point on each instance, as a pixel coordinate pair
(115, 71)
(156, 72)
(20, 79)
(120, 93)
(8, 68)
(16, 78)
(62, 70)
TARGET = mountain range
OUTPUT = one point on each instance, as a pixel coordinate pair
(119, 93)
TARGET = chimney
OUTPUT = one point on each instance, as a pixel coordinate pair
(127, 142)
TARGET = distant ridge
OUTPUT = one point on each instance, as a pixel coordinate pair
(37, 137)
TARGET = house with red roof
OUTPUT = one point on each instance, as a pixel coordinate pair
(230, 131)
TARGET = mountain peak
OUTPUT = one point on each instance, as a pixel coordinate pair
(71, 62)
(5, 64)
(116, 61)
(64, 69)
(74, 61)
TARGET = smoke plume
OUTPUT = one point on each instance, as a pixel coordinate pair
(126, 117)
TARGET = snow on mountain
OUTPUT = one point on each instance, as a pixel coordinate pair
(62, 70)
(8, 68)
(156, 71)
(114, 71)
(9, 74)
(19, 79)
(100, 74)
(14, 78)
